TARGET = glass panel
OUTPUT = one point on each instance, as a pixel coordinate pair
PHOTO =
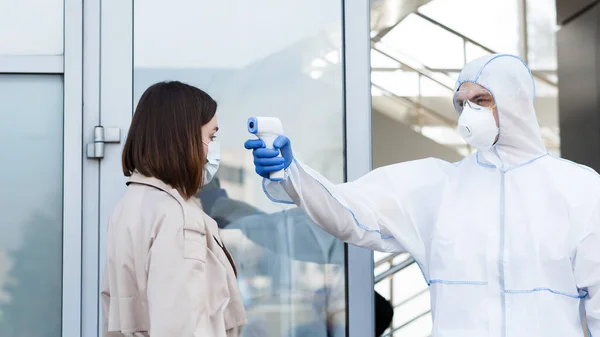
(474, 52)
(282, 60)
(400, 83)
(31, 27)
(492, 23)
(379, 60)
(541, 31)
(425, 46)
(31, 143)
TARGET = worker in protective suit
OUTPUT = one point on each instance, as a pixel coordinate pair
(508, 239)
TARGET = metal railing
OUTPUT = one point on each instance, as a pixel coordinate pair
(466, 40)
(387, 259)
(409, 322)
(420, 107)
(424, 71)
(394, 269)
(391, 272)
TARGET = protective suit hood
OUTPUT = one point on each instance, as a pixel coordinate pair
(509, 79)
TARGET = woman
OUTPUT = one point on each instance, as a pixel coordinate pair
(167, 272)
(508, 239)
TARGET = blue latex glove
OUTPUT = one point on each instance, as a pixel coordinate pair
(266, 160)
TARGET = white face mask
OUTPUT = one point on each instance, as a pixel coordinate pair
(477, 126)
(213, 158)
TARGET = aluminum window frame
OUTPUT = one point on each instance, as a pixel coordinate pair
(360, 317)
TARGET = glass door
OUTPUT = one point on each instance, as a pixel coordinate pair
(271, 58)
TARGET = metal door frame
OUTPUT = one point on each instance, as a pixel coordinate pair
(357, 107)
(108, 101)
(72, 168)
(107, 97)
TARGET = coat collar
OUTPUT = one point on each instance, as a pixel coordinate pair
(138, 178)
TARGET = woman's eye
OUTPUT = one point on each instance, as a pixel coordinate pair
(213, 138)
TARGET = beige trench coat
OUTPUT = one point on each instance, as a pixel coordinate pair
(167, 272)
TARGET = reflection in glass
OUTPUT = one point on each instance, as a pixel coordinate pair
(31, 27)
(541, 31)
(404, 39)
(286, 257)
(493, 23)
(262, 58)
(31, 144)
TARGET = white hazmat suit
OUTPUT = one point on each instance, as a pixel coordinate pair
(508, 239)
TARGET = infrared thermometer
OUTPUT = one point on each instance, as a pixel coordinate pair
(267, 129)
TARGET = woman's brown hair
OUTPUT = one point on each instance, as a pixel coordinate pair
(165, 138)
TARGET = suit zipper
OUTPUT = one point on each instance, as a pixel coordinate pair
(502, 248)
